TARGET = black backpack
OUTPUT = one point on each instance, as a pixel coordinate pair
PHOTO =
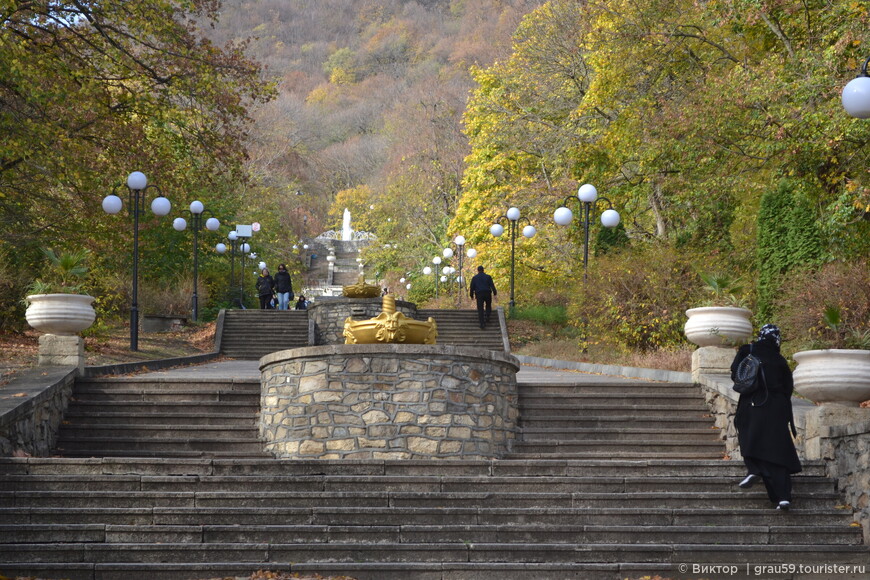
(749, 374)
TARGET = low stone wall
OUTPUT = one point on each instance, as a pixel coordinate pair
(390, 401)
(31, 412)
(328, 316)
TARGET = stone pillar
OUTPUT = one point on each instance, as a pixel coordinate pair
(819, 421)
(61, 350)
(711, 360)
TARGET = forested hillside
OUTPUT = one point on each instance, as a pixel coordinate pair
(370, 96)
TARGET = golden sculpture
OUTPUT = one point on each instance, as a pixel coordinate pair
(390, 327)
(361, 289)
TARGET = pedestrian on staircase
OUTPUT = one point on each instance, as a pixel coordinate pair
(763, 419)
(483, 288)
(283, 287)
(265, 289)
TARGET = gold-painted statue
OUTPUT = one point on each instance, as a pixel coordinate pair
(390, 327)
(361, 289)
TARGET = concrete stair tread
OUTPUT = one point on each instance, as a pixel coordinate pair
(547, 466)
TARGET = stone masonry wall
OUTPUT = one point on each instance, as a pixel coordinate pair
(30, 412)
(388, 402)
(329, 315)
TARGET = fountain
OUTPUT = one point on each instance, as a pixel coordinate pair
(361, 289)
(390, 327)
(346, 232)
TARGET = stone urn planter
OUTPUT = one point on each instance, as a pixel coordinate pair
(62, 314)
(718, 325)
(833, 376)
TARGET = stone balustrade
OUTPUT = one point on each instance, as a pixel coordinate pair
(388, 401)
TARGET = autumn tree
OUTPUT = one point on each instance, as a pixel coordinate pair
(93, 90)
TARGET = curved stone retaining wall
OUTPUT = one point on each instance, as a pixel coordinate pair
(329, 315)
(390, 401)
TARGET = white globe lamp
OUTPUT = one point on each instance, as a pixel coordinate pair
(161, 206)
(112, 204)
(587, 193)
(610, 218)
(137, 180)
(563, 216)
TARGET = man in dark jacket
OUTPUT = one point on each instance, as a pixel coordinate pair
(483, 288)
(763, 419)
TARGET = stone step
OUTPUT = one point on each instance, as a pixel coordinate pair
(169, 444)
(397, 570)
(623, 434)
(530, 424)
(80, 418)
(627, 387)
(251, 334)
(191, 396)
(455, 551)
(672, 468)
(158, 431)
(723, 500)
(105, 384)
(358, 516)
(605, 409)
(428, 484)
(405, 533)
(675, 445)
(86, 408)
(385, 515)
(629, 400)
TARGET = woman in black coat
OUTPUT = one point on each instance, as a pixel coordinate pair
(265, 288)
(763, 419)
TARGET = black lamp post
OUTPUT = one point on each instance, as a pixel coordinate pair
(212, 224)
(221, 248)
(137, 184)
(856, 94)
(513, 218)
(587, 195)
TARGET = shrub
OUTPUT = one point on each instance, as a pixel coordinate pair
(809, 297)
(637, 299)
(172, 298)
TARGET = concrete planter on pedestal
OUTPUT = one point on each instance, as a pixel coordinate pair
(61, 317)
(718, 326)
(833, 376)
(61, 314)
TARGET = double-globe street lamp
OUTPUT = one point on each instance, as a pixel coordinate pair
(137, 185)
(212, 224)
(587, 195)
(513, 218)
